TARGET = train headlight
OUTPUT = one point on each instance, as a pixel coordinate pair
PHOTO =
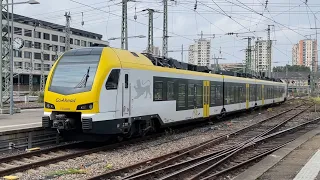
(49, 106)
(85, 106)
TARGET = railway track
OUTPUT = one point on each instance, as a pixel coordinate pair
(194, 159)
(22, 162)
(25, 161)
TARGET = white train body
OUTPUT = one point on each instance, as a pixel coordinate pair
(129, 95)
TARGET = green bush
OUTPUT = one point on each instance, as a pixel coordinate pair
(34, 93)
(41, 97)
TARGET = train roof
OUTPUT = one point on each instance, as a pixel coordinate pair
(173, 63)
(168, 64)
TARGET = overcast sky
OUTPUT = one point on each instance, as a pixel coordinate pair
(292, 20)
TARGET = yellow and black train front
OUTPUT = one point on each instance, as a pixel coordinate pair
(73, 89)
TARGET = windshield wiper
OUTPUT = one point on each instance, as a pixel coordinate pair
(83, 82)
(87, 76)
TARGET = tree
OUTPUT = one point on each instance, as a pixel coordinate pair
(294, 68)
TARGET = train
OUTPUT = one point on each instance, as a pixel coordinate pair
(94, 93)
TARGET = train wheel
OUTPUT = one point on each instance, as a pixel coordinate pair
(222, 114)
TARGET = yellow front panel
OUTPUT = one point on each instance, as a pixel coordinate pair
(108, 60)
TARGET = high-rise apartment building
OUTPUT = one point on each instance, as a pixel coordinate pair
(304, 53)
(200, 52)
(156, 51)
(259, 56)
(42, 42)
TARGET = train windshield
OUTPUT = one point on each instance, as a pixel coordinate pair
(74, 73)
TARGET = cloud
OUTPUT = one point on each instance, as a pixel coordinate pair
(185, 22)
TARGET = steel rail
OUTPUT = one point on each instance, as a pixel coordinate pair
(162, 160)
(274, 135)
(38, 152)
(23, 167)
(213, 155)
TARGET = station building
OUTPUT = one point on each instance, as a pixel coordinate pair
(43, 41)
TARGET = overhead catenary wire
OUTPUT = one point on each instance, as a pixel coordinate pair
(145, 24)
(250, 20)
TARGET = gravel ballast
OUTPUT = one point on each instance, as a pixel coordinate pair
(100, 162)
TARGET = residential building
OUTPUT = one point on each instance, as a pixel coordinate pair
(261, 48)
(156, 51)
(259, 56)
(199, 52)
(305, 52)
(43, 41)
(295, 54)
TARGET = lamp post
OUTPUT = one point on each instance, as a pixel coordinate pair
(18, 74)
(11, 50)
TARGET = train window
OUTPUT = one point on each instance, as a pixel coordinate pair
(170, 90)
(199, 99)
(257, 91)
(126, 79)
(231, 94)
(182, 95)
(242, 94)
(113, 79)
(191, 94)
(260, 92)
(250, 89)
(212, 94)
(158, 91)
(252, 93)
(218, 93)
(237, 94)
(226, 93)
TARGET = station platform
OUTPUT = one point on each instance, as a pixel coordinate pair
(26, 119)
(299, 160)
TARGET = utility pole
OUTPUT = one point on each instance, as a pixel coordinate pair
(314, 64)
(124, 25)
(4, 51)
(216, 62)
(10, 82)
(248, 61)
(269, 53)
(150, 30)
(30, 76)
(42, 73)
(68, 17)
(182, 53)
(165, 29)
(210, 35)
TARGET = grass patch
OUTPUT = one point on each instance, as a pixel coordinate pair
(65, 172)
(315, 100)
(108, 166)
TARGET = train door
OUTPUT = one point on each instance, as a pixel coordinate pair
(126, 94)
(262, 94)
(206, 97)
